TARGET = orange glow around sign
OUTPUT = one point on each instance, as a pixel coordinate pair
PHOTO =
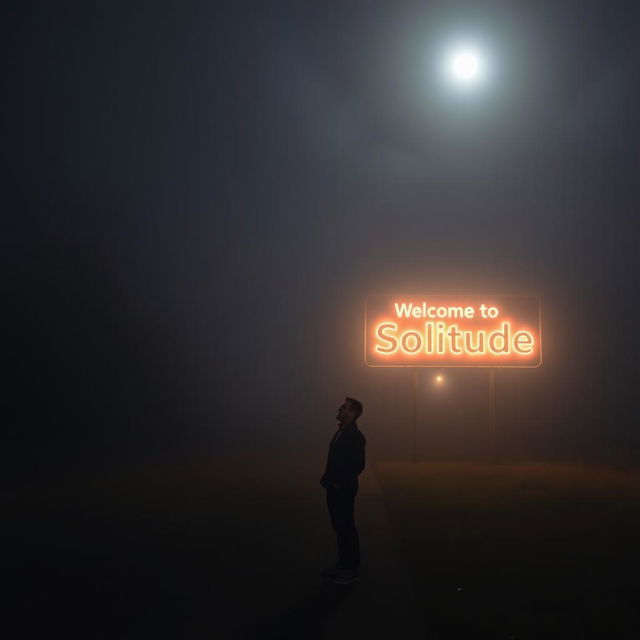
(452, 331)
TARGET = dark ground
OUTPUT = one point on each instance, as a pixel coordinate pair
(231, 548)
(520, 550)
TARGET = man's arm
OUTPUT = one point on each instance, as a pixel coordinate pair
(358, 461)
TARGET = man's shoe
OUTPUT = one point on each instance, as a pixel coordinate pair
(346, 577)
(332, 572)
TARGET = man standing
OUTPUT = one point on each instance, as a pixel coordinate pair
(344, 463)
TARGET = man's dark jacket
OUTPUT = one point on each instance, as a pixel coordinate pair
(345, 460)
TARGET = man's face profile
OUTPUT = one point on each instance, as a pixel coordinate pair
(345, 413)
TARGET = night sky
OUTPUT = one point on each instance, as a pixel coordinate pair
(199, 197)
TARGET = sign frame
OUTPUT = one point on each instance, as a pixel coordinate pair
(440, 365)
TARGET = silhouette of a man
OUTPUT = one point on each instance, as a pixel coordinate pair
(344, 463)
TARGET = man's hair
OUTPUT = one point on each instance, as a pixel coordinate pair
(356, 405)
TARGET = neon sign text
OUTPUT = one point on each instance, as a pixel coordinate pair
(441, 338)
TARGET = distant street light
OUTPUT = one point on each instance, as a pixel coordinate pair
(439, 379)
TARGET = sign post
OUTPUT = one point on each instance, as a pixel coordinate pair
(453, 331)
(414, 438)
(493, 435)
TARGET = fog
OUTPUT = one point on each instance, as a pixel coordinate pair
(200, 199)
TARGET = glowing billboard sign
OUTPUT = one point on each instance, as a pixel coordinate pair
(452, 331)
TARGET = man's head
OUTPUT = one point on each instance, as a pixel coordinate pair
(349, 412)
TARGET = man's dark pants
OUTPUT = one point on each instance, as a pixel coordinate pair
(340, 503)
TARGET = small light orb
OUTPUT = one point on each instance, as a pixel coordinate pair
(439, 379)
